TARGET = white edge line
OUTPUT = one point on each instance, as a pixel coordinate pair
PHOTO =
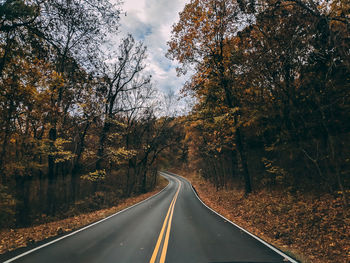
(241, 228)
(82, 229)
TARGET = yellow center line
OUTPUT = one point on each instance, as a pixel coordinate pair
(166, 240)
(155, 252)
(167, 221)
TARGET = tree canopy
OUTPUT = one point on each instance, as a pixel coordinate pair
(79, 124)
(271, 79)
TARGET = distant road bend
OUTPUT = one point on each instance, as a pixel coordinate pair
(172, 226)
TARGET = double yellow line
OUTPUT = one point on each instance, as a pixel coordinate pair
(167, 225)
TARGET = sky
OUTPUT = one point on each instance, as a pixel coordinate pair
(151, 21)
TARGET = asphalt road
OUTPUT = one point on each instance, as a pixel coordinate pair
(173, 226)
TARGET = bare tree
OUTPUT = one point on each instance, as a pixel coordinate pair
(123, 74)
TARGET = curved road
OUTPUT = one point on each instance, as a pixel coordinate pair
(172, 226)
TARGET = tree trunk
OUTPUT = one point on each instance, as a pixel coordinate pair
(238, 136)
(242, 155)
(2, 156)
(101, 147)
(129, 181)
(77, 167)
(144, 182)
(22, 201)
(51, 189)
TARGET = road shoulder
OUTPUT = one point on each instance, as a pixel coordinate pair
(17, 241)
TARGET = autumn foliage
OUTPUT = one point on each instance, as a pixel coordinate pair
(271, 80)
(271, 84)
(80, 125)
(310, 228)
(23, 237)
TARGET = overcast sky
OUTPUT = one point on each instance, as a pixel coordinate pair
(151, 21)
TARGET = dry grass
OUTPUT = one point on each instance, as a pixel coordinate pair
(309, 228)
(15, 238)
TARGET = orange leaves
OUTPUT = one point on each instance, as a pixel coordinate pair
(198, 29)
(12, 239)
(338, 8)
(315, 228)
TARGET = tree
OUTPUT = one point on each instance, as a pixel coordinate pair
(303, 83)
(272, 77)
(71, 112)
(202, 39)
(122, 76)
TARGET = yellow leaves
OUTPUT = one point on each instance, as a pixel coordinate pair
(117, 123)
(220, 119)
(83, 105)
(250, 122)
(98, 175)
(56, 81)
(56, 76)
(118, 156)
(114, 136)
(61, 155)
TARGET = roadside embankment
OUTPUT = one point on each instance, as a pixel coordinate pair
(312, 229)
(12, 239)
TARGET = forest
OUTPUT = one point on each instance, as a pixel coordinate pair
(82, 127)
(267, 142)
(271, 81)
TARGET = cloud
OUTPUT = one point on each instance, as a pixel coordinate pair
(150, 21)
